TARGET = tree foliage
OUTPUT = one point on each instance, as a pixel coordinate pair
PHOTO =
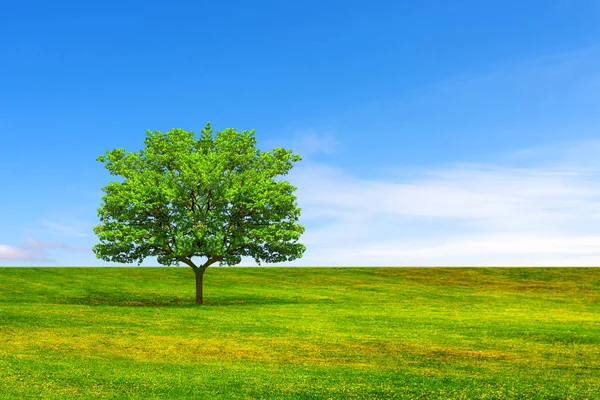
(214, 197)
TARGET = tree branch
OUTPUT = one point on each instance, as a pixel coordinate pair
(188, 261)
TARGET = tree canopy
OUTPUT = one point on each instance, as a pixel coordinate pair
(215, 197)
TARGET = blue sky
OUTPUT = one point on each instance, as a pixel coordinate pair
(432, 132)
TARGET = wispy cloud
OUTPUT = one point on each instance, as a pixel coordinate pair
(534, 206)
(308, 143)
(34, 250)
(68, 227)
(482, 115)
(10, 253)
(458, 214)
(36, 244)
(314, 142)
(453, 214)
(64, 229)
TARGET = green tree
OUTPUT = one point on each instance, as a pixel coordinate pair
(214, 197)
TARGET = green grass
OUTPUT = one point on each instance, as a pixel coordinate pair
(301, 333)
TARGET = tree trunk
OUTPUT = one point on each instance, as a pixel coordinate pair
(199, 276)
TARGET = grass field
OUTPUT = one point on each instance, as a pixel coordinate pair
(300, 333)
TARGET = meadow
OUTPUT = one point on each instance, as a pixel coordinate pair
(300, 333)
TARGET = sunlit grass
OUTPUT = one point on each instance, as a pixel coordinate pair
(527, 333)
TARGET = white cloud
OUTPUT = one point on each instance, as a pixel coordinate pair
(495, 249)
(64, 229)
(307, 143)
(67, 227)
(463, 214)
(546, 214)
(36, 250)
(15, 254)
(313, 142)
(33, 243)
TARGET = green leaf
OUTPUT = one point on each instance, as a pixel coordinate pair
(214, 197)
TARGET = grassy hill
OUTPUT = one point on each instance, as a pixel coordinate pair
(301, 333)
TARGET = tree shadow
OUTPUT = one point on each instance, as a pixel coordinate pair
(108, 299)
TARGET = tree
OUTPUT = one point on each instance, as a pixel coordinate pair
(214, 197)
